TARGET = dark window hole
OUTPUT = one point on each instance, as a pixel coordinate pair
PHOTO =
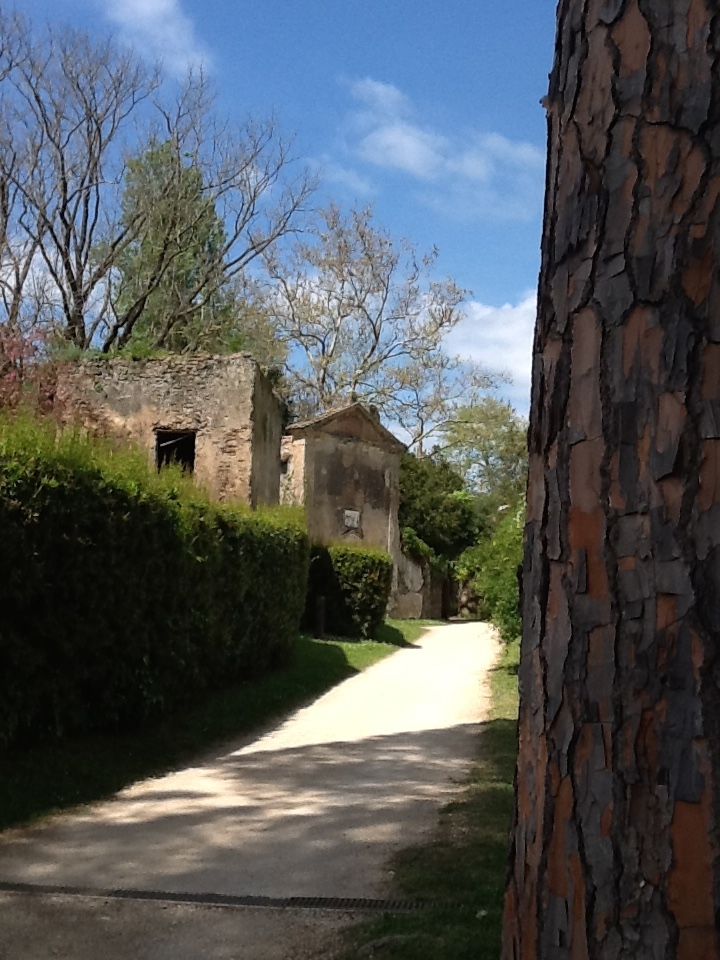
(175, 446)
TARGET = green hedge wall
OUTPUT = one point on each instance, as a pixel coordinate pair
(355, 582)
(491, 570)
(126, 594)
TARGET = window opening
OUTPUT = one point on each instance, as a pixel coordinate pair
(175, 446)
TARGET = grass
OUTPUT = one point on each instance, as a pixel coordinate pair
(465, 862)
(41, 779)
(402, 633)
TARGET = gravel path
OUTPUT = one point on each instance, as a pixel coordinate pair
(313, 809)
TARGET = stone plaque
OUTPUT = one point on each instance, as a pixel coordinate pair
(352, 519)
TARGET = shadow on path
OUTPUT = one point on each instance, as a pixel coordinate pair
(316, 820)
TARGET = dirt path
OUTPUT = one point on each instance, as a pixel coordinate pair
(313, 810)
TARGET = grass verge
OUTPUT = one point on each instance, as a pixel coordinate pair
(37, 780)
(466, 860)
(403, 633)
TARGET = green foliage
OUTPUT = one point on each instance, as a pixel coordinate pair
(469, 563)
(173, 287)
(436, 507)
(127, 593)
(487, 444)
(355, 582)
(138, 349)
(414, 546)
(183, 239)
(491, 567)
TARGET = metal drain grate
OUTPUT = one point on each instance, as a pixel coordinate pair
(225, 900)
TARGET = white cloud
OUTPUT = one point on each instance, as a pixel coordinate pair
(159, 28)
(401, 146)
(345, 176)
(477, 175)
(381, 99)
(501, 339)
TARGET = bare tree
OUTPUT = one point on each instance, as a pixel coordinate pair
(363, 318)
(237, 178)
(428, 393)
(22, 286)
(17, 249)
(73, 112)
(65, 105)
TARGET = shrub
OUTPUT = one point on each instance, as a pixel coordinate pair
(490, 568)
(414, 547)
(26, 376)
(435, 505)
(355, 582)
(125, 593)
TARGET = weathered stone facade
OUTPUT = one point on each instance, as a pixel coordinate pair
(418, 592)
(221, 417)
(344, 467)
(223, 407)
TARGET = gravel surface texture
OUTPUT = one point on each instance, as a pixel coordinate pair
(313, 809)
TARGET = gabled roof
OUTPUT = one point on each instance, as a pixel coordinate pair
(332, 422)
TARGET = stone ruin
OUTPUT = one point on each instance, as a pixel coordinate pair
(221, 420)
(218, 417)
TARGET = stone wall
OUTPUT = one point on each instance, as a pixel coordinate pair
(406, 600)
(292, 472)
(350, 489)
(344, 468)
(225, 401)
(354, 489)
(267, 427)
(418, 592)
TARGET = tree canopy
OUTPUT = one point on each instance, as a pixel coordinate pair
(133, 217)
(487, 444)
(122, 200)
(182, 240)
(436, 507)
(364, 319)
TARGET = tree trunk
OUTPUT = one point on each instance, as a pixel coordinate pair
(615, 842)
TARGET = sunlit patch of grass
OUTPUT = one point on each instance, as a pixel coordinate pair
(405, 632)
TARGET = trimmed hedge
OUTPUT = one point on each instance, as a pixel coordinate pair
(355, 582)
(126, 594)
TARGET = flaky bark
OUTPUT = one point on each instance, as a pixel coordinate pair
(615, 844)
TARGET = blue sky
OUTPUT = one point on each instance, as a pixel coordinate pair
(427, 108)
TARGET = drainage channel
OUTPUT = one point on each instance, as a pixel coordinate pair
(225, 900)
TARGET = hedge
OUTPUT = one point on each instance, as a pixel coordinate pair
(126, 594)
(491, 569)
(355, 583)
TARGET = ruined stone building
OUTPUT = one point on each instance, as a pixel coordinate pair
(344, 468)
(219, 417)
